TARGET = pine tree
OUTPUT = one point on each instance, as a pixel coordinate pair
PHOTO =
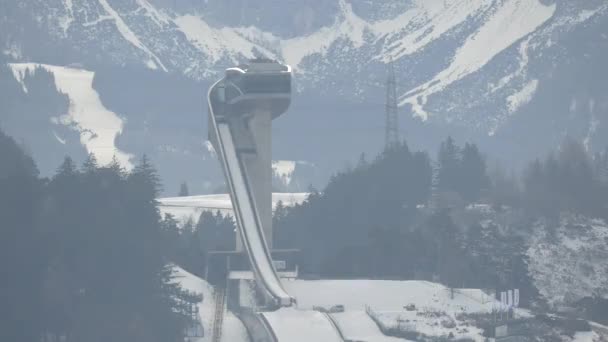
(473, 173)
(22, 250)
(449, 166)
(183, 190)
(146, 178)
(90, 164)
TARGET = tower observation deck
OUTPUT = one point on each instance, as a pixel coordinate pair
(241, 107)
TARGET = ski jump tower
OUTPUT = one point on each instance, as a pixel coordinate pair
(241, 108)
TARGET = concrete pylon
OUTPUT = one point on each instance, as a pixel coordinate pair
(259, 168)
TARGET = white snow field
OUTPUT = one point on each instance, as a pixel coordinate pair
(233, 329)
(387, 299)
(295, 325)
(97, 125)
(190, 207)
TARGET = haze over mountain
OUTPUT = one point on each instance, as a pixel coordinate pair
(514, 75)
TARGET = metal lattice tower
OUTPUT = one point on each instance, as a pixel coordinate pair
(392, 119)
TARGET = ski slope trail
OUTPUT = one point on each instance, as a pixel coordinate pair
(98, 126)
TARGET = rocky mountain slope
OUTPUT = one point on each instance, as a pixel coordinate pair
(493, 71)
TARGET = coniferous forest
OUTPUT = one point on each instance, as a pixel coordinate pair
(82, 255)
(86, 256)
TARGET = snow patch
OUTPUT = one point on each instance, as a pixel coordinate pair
(586, 336)
(61, 141)
(571, 263)
(218, 42)
(209, 147)
(126, 32)
(284, 169)
(523, 96)
(66, 21)
(512, 21)
(19, 75)
(14, 51)
(98, 126)
(157, 16)
(524, 58)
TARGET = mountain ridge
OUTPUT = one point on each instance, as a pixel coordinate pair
(490, 71)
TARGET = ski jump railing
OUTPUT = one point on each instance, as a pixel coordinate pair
(245, 211)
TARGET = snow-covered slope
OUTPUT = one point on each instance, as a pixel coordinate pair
(512, 21)
(571, 262)
(98, 126)
(387, 300)
(291, 324)
(233, 329)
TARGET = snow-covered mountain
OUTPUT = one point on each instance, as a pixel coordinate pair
(496, 71)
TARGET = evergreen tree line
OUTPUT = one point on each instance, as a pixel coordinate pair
(398, 217)
(188, 244)
(82, 255)
(569, 180)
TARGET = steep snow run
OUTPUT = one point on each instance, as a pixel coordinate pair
(66, 21)
(513, 20)
(97, 125)
(126, 32)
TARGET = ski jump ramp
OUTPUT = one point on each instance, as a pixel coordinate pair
(241, 108)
